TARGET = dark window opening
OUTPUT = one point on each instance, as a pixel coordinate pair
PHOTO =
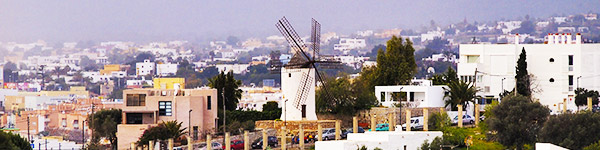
(412, 96)
(289, 75)
(551, 59)
(570, 59)
(570, 80)
(551, 79)
(208, 103)
(164, 108)
(134, 118)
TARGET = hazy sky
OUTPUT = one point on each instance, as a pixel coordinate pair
(144, 20)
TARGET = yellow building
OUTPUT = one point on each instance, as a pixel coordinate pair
(78, 91)
(110, 68)
(169, 83)
(14, 103)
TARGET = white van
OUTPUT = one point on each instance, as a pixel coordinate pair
(416, 123)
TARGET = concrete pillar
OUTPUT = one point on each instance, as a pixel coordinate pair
(564, 106)
(170, 145)
(228, 141)
(589, 100)
(390, 122)
(247, 141)
(393, 126)
(319, 132)
(373, 122)
(301, 137)
(132, 146)
(283, 138)
(476, 114)
(265, 138)
(354, 125)
(190, 143)
(338, 130)
(425, 119)
(407, 119)
(151, 145)
(460, 116)
(208, 142)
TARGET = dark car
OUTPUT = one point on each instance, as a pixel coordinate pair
(236, 145)
(345, 134)
(258, 143)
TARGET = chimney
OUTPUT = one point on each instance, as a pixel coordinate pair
(550, 38)
(578, 38)
(517, 38)
(569, 38)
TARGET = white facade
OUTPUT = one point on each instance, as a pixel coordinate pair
(291, 85)
(392, 140)
(346, 44)
(558, 68)
(236, 68)
(253, 98)
(416, 95)
(144, 68)
(166, 69)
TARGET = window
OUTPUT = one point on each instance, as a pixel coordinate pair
(134, 118)
(208, 102)
(551, 59)
(570, 60)
(551, 79)
(75, 124)
(136, 99)
(63, 122)
(164, 108)
(570, 80)
(472, 58)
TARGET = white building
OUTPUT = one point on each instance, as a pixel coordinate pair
(144, 68)
(236, 68)
(558, 67)
(253, 98)
(430, 35)
(166, 69)
(441, 57)
(392, 140)
(421, 94)
(347, 44)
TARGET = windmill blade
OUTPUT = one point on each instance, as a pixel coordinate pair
(303, 90)
(292, 37)
(315, 38)
(324, 83)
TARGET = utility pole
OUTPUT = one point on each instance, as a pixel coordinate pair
(224, 115)
(83, 134)
(92, 122)
(28, 137)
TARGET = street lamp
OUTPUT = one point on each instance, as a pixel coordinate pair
(578, 81)
(503, 84)
(190, 123)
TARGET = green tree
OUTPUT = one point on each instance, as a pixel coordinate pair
(460, 93)
(437, 121)
(10, 141)
(445, 79)
(523, 78)
(517, 121)
(572, 131)
(341, 99)
(435, 144)
(174, 129)
(581, 95)
(104, 124)
(270, 106)
(231, 86)
(396, 65)
(594, 146)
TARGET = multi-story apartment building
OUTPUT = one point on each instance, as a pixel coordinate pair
(144, 108)
(346, 44)
(558, 66)
(144, 68)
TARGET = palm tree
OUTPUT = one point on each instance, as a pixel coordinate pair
(460, 93)
(174, 129)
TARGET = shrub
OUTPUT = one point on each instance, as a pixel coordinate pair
(437, 121)
(594, 146)
(572, 131)
(456, 136)
(435, 144)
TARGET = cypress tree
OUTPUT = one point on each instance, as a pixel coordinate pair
(522, 77)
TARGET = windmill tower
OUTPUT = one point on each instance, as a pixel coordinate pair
(299, 76)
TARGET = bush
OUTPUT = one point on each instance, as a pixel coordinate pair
(594, 146)
(456, 136)
(572, 131)
(435, 144)
(437, 121)
(10, 141)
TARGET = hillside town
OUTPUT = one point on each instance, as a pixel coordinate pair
(436, 87)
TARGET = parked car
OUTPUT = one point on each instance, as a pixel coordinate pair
(416, 123)
(258, 143)
(466, 119)
(214, 145)
(345, 134)
(236, 145)
(382, 127)
(328, 134)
